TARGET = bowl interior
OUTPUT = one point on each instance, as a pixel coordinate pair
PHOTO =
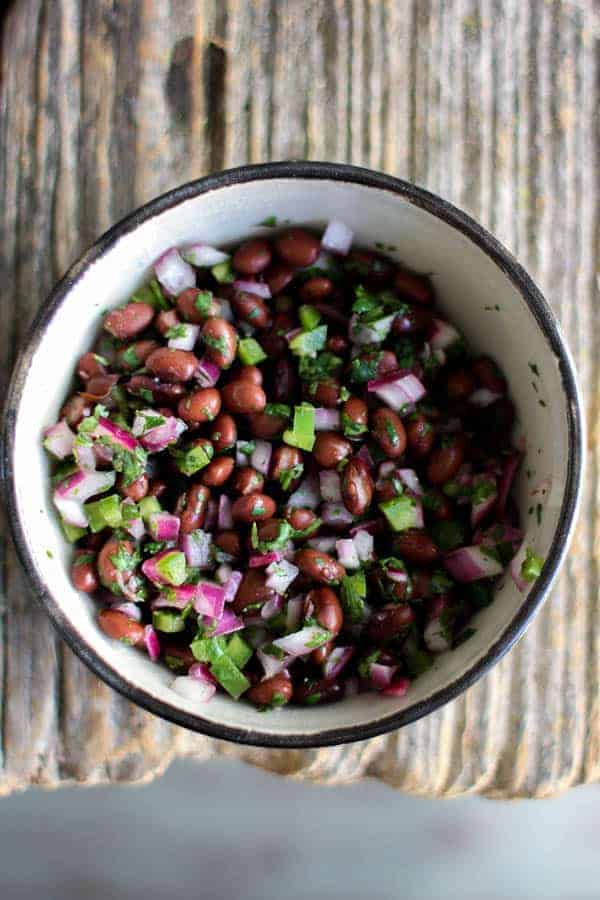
(474, 292)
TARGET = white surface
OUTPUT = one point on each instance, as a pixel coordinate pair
(466, 280)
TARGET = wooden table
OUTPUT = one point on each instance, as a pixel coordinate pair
(106, 103)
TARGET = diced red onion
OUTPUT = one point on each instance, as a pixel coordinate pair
(483, 397)
(164, 526)
(280, 575)
(151, 570)
(227, 624)
(364, 454)
(187, 341)
(85, 456)
(479, 511)
(58, 440)
(223, 573)
(337, 660)
(330, 485)
(259, 288)
(363, 541)
(203, 256)
(327, 419)
(373, 526)
(347, 554)
(293, 615)
(385, 470)
(325, 543)
(381, 675)
(261, 457)
(230, 588)
(372, 333)
(152, 643)
(174, 273)
(201, 672)
(131, 610)
(272, 665)
(301, 642)
(210, 599)
(514, 568)
(410, 479)
(436, 636)
(397, 391)
(70, 494)
(272, 607)
(197, 548)
(117, 436)
(135, 527)
(260, 560)
(102, 454)
(337, 238)
(307, 494)
(398, 576)
(509, 471)
(210, 519)
(224, 516)
(336, 514)
(176, 598)
(443, 335)
(207, 373)
(397, 688)
(193, 689)
(470, 564)
(418, 516)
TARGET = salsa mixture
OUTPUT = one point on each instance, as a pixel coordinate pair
(284, 474)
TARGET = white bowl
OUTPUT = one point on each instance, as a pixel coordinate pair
(480, 287)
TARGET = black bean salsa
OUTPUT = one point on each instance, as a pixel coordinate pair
(284, 474)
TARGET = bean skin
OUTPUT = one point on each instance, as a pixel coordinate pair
(389, 621)
(387, 429)
(223, 432)
(265, 426)
(284, 459)
(135, 491)
(250, 373)
(301, 519)
(419, 436)
(386, 361)
(251, 309)
(244, 397)
(310, 691)
(83, 573)
(355, 417)
(412, 319)
(217, 471)
(330, 449)
(357, 487)
(75, 410)
(99, 387)
(172, 366)
(253, 508)
(166, 319)
(129, 321)
(327, 609)
(315, 289)
(247, 480)
(323, 393)
(229, 542)
(488, 374)
(438, 506)
(110, 576)
(285, 380)
(134, 355)
(195, 310)
(276, 690)
(203, 405)
(278, 276)
(252, 256)
(337, 344)
(220, 339)
(297, 247)
(162, 392)
(120, 627)
(415, 546)
(319, 566)
(445, 461)
(89, 365)
(157, 488)
(191, 507)
(252, 590)
(414, 287)
(179, 652)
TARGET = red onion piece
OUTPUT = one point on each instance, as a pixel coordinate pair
(85, 456)
(301, 642)
(397, 391)
(325, 543)
(381, 675)
(177, 597)
(259, 560)
(259, 288)
(347, 555)
(207, 374)
(227, 624)
(280, 575)
(443, 335)
(224, 517)
(129, 609)
(152, 643)
(210, 599)
(330, 485)
(230, 588)
(293, 615)
(201, 672)
(337, 238)
(203, 256)
(261, 457)
(117, 436)
(410, 479)
(336, 515)
(70, 494)
(470, 564)
(163, 526)
(373, 333)
(272, 607)
(373, 526)
(174, 273)
(399, 576)
(337, 660)
(364, 543)
(397, 688)
(58, 439)
(187, 341)
(327, 419)
(197, 548)
(306, 495)
(193, 689)
(480, 511)
(272, 665)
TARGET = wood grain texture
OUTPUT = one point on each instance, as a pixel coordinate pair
(491, 103)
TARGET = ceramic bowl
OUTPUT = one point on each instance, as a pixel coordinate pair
(480, 287)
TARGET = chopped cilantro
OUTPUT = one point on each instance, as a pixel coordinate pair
(353, 592)
(131, 463)
(320, 367)
(290, 475)
(531, 566)
(203, 302)
(177, 331)
(364, 369)
(123, 560)
(130, 357)
(279, 410)
(269, 222)
(482, 491)
(364, 666)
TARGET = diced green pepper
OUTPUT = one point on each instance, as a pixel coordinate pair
(168, 621)
(229, 676)
(208, 650)
(309, 317)
(147, 506)
(72, 532)
(308, 343)
(250, 352)
(104, 512)
(172, 567)
(223, 272)
(152, 294)
(302, 434)
(400, 512)
(193, 459)
(353, 592)
(531, 566)
(238, 650)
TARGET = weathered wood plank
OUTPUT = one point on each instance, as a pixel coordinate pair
(105, 104)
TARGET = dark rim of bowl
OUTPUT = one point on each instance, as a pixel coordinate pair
(545, 318)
